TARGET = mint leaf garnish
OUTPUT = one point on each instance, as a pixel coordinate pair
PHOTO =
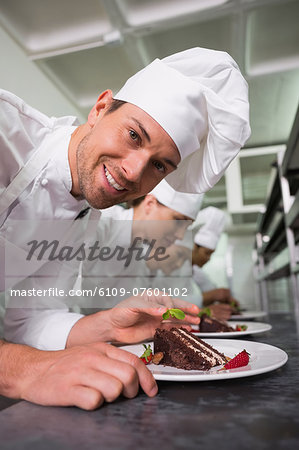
(166, 315)
(205, 311)
(174, 312)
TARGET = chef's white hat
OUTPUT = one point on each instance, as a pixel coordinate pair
(213, 222)
(182, 202)
(200, 98)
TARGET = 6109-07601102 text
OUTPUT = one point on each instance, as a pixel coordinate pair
(99, 291)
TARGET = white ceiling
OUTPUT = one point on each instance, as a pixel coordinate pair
(87, 46)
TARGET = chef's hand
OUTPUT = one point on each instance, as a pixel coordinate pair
(137, 318)
(85, 376)
(221, 295)
(221, 311)
(132, 320)
(234, 303)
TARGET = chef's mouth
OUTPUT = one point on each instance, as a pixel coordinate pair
(112, 182)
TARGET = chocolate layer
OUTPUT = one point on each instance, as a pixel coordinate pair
(183, 350)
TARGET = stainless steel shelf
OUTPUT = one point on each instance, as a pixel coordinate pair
(292, 218)
(276, 239)
(279, 267)
(277, 236)
(290, 162)
(272, 204)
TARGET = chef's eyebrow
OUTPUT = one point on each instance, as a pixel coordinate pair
(171, 163)
(142, 129)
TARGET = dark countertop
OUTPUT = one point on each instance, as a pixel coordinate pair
(258, 412)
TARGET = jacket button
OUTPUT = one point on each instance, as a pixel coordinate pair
(44, 182)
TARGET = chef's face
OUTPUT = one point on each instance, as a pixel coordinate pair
(201, 255)
(162, 224)
(177, 255)
(124, 154)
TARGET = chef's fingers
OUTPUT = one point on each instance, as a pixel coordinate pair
(160, 299)
(186, 306)
(194, 320)
(158, 313)
(112, 379)
(83, 397)
(146, 301)
(171, 302)
(221, 311)
(191, 311)
(115, 378)
(235, 301)
(145, 377)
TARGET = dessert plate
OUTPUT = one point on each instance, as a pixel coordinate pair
(252, 328)
(247, 315)
(263, 358)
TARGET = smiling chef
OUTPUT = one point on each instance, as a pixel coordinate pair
(184, 117)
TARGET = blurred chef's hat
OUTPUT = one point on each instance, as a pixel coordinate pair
(213, 221)
(200, 98)
(182, 202)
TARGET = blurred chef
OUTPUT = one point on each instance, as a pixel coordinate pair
(205, 242)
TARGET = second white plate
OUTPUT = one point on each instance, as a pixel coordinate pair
(252, 328)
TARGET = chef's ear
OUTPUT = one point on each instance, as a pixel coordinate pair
(102, 104)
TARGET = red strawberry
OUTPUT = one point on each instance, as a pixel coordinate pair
(147, 355)
(242, 359)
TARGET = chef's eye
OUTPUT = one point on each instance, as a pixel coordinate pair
(159, 166)
(134, 135)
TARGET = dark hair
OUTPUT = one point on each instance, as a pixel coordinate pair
(115, 104)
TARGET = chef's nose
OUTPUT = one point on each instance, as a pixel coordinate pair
(179, 232)
(179, 263)
(134, 165)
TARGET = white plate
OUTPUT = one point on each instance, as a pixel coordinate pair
(252, 328)
(263, 358)
(246, 315)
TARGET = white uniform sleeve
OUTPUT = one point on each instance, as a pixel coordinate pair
(43, 329)
(43, 321)
(202, 280)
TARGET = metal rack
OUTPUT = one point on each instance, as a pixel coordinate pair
(276, 249)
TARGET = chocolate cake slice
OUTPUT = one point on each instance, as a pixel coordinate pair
(210, 325)
(183, 350)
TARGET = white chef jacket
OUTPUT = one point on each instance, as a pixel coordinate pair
(202, 279)
(24, 131)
